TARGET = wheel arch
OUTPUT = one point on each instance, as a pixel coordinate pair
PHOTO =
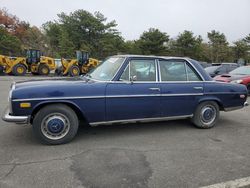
(214, 99)
(73, 106)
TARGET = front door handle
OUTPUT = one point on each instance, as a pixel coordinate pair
(155, 89)
(198, 88)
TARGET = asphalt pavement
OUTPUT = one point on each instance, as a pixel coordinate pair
(165, 154)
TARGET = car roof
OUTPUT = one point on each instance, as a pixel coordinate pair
(150, 56)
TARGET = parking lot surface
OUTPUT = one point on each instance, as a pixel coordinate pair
(165, 154)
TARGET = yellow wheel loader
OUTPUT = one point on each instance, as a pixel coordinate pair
(81, 65)
(13, 65)
(38, 64)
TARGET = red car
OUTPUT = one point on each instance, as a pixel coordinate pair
(240, 75)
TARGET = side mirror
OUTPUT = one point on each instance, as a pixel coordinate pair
(133, 78)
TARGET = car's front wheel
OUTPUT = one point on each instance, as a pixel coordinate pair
(55, 124)
(206, 115)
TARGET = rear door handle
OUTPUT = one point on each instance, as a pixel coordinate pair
(155, 89)
(198, 88)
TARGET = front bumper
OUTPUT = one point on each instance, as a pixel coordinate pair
(246, 104)
(15, 119)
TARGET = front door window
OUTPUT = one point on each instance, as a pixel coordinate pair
(140, 71)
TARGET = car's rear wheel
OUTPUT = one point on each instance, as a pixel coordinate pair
(55, 124)
(206, 115)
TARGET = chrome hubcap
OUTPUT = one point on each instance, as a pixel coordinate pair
(208, 114)
(55, 126)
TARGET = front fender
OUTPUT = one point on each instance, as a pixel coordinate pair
(71, 104)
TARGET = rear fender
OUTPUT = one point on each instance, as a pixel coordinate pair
(212, 98)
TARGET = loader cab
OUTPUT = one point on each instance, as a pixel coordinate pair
(33, 56)
(82, 57)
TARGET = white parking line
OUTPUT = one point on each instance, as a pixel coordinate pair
(238, 183)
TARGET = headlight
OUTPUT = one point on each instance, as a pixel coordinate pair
(237, 81)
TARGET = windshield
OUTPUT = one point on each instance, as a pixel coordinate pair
(211, 69)
(241, 70)
(107, 70)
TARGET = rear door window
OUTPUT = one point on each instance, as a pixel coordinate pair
(177, 70)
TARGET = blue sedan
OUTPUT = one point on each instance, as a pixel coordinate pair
(123, 89)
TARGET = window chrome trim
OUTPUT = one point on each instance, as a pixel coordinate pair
(187, 62)
(114, 74)
(156, 73)
(129, 73)
(185, 82)
(119, 69)
(159, 73)
(122, 74)
(141, 120)
(186, 71)
(159, 69)
(201, 76)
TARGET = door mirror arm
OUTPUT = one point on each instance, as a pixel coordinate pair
(133, 78)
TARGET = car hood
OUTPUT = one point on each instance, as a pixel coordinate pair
(57, 88)
(48, 82)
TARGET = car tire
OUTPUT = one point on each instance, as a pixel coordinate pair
(43, 69)
(19, 70)
(74, 71)
(206, 115)
(55, 124)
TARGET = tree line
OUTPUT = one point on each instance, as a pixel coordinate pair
(82, 30)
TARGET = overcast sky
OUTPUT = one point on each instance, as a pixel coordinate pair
(231, 17)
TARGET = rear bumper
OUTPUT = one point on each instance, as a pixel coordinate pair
(236, 107)
(14, 119)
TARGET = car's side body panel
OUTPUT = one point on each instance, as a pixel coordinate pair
(132, 100)
(228, 95)
(88, 97)
(180, 94)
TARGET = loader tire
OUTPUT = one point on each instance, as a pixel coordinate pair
(43, 70)
(74, 71)
(19, 70)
